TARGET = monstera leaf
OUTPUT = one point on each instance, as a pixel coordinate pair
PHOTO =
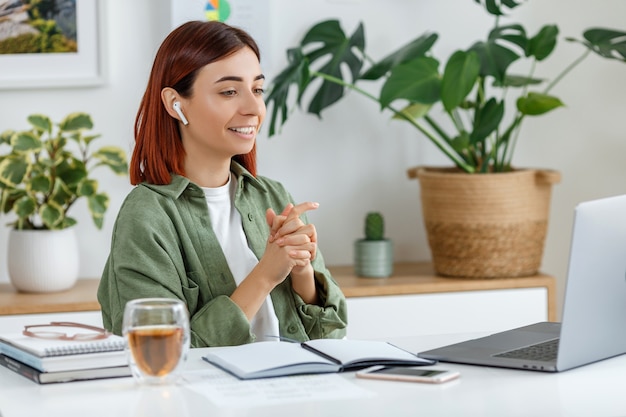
(325, 41)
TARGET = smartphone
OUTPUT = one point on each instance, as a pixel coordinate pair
(410, 374)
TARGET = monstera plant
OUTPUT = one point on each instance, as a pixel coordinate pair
(484, 217)
(46, 169)
(474, 86)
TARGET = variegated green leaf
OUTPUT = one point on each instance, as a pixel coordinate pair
(13, 170)
(5, 137)
(98, 205)
(9, 197)
(51, 214)
(89, 138)
(113, 157)
(68, 222)
(39, 184)
(76, 121)
(87, 188)
(40, 122)
(25, 206)
(23, 142)
(72, 172)
(61, 193)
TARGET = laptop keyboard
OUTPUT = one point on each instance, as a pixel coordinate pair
(544, 351)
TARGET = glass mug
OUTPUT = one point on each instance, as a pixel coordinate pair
(157, 338)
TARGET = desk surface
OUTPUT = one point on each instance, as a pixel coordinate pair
(593, 390)
(408, 278)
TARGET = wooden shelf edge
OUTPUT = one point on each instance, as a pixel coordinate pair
(419, 278)
(81, 297)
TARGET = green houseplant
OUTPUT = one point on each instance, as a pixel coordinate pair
(471, 86)
(43, 171)
(41, 177)
(483, 103)
(373, 255)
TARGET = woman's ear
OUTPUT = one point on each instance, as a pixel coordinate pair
(172, 102)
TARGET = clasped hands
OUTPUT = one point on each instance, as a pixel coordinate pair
(289, 232)
(291, 246)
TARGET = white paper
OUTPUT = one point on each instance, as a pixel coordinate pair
(224, 390)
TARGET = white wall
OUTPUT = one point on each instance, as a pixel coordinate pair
(355, 159)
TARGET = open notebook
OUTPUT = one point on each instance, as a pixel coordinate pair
(271, 359)
(594, 313)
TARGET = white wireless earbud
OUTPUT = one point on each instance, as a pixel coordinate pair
(180, 113)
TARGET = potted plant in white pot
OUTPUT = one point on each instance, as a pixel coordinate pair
(471, 234)
(43, 172)
(373, 255)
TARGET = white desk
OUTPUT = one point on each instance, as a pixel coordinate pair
(594, 390)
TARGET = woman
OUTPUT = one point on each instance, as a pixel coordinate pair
(201, 226)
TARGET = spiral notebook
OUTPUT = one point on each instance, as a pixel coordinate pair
(50, 355)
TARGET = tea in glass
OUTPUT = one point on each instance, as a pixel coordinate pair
(157, 336)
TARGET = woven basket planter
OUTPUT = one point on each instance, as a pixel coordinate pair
(485, 225)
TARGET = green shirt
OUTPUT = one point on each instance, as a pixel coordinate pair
(163, 246)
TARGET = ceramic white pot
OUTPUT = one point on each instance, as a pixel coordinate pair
(43, 260)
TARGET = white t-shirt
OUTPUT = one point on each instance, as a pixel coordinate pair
(226, 223)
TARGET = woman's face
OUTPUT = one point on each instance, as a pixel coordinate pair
(226, 108)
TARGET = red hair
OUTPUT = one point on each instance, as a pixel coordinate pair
(159, 151)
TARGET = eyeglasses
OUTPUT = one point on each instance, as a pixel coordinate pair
(100, 333)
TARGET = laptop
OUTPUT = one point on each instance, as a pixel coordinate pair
(594, 310)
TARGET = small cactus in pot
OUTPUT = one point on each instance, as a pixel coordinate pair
(373, 255)
(374, 226)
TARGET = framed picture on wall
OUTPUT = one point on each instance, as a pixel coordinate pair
(49, 44)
